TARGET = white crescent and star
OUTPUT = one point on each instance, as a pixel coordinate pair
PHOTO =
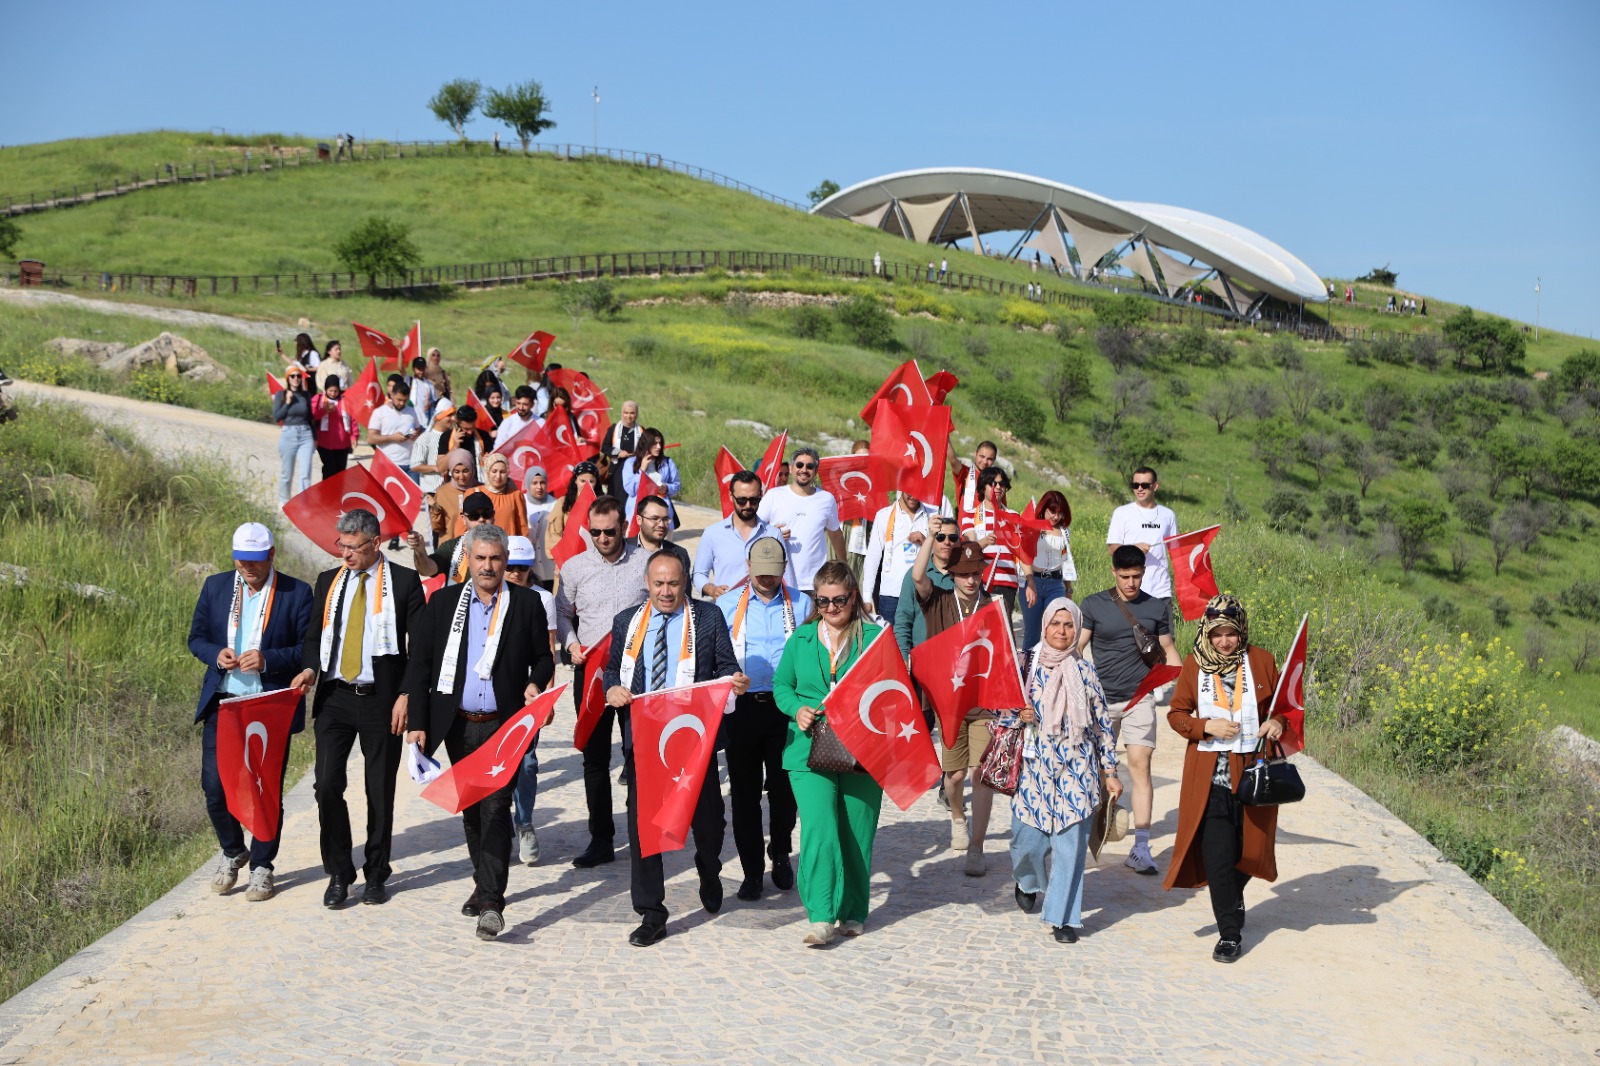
(254, 729)
(927, 451)
(1295, 694)
(525, 723)
(869, 697)
(960, 677)
(902, 387)
(563, 435)
(376, 507)
(1196, 556)
(682, 721)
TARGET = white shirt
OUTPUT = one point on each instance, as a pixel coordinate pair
(386, 420)
(1055, 553)
(808, 520)
(510, 426)
(1132, 524)
(369, 638)
(888, 562)
(425, 452)
(544, 567)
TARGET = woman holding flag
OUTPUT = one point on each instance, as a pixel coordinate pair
(1221, 705)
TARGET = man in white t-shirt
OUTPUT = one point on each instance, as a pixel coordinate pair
(1145, 524)
(520, 418)
(806, 517)
(394, 426)
(897, 534)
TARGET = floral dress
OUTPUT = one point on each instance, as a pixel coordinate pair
(1060, 784)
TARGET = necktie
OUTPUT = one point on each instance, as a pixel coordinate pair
(355, 627)
(658, 660)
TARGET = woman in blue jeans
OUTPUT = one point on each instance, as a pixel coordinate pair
(1053, 572)
(291, 409)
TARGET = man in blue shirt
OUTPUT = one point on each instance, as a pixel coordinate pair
(720, 563)
(761, 616)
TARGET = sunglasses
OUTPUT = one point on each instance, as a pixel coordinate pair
(746, 501)
(841, 602)
(1143, 484)
(802, 466)
(593, 532)
(479, 517)
(946, 537)
(1223, 612)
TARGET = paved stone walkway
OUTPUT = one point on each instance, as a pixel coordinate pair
(1368, 949)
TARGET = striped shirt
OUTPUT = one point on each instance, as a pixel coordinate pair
(1001, 571)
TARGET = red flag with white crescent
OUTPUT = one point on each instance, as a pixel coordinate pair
(1159, 675)
(572, 542)
(315, 510)
(581, 389)
(904, 386)
(915, 442)
(593, 424)
(1193, 580)
(1020, 532)
(485, 420)
(1289, 699)
(410, 347)
(534, 445)
(772, 461)
(274, 386)
(876, 716)
(648, 486)
(433, 584)
(531, 352)
(674, 738)
(948, 668)
(252, 737)
(493, 765)
(365, 395)
(860, 483)
(592, 702)
(726, 466)
(398, 486)
(377, 346)
(941, 385)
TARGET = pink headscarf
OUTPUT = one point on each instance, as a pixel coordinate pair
(1064, 695)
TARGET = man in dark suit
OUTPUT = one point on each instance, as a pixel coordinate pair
(498, 637)
(246, 629)
(356, 646)
(653, 660)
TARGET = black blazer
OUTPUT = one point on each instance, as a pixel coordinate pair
(713, 652)
(280, 642)
(388, 671)
(524, 656)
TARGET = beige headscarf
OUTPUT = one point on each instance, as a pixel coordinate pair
(1065, 696)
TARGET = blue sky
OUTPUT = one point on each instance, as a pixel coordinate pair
(1454, 141)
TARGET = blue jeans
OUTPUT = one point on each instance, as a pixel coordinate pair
(1063, 888)
(1048, 589)
(886, 606)
(230, 834)
(295, 448)
(527, 786)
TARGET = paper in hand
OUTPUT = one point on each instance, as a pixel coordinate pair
(421, 768)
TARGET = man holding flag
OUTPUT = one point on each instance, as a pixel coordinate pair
(246, 629)
(477, 656)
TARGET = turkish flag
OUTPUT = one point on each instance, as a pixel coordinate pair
(1020, 532)
(252, 737)
(274, 386)
(315, 510)
(876, 689)
(485, 420)
(531, 352)
(860, 484)
(727, 466)
(593, 423)
(410, 346)
(946, 668)
(903, 386)
(1289, 700)
(1193, 581)
(533, 445)
(433, 584)
(493, 765)
(914, 442)
(581, 389)
(941, 385)
(398, 486)
(366, 394)
(572, 543)
(377, 346)
(592, 703)
(1159, 675)
(669, 769)
(648, 486)
(772, 460)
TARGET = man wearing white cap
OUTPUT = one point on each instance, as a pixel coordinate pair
(246, 629)
(520, 570)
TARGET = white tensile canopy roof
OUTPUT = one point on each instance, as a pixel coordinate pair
(943, 204)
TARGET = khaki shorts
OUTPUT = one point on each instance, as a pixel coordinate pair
(968, 749)
(1135, 725)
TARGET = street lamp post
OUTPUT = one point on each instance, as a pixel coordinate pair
(597, 118)
(1538, 288)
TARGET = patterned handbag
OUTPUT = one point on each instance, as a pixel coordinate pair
(1001, 766)
(828, 753)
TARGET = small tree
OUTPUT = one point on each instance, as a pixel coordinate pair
(11, 236)
(867, 321)
(1497, 344)
(1367, 463)
(522, 107)
(1417, 522)
(1070, 382)
(1316, 450)
(1221, 405)
(823, 191)
(377, 245)
(455, 102)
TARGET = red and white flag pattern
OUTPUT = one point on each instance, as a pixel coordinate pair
(648, 486)
(531, 352)
(903, 386)
(726, 466)
(252, 736)
(592, 702)
(410, 347)
(315, 510)
(913, 441)
(379, 347)
(1193, 580)
(674, 738)
(534, 445)
(592, 423)
(860, 483)
(1289, 700)
(947, 668)
(877, 718)
(403, 493)
(771, 463)
(365, 395)
(572, 542)
(493, 765)
(581, 389)
(941, 385)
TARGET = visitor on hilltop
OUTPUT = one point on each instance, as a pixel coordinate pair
(930, 270)
(332, 428)
(1221, 706)
(807, 517)
(333, 366)
(291, 409)
(944, 270)
(651, 460)
(877, 264)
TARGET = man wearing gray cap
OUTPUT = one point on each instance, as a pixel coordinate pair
(246, 629)
(761, 616)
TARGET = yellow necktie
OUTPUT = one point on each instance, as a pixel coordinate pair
(355, 627)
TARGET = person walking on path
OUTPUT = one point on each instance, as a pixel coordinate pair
(720, 560)
(246, 629)
(291, 409)
(333, 367)
(898, 532)
(1068, 758)
(332, 428)
(838, 812)
(522, 569)
(1053, 572)
(651, 460)
(1001, 572)
(1220, 706)
(476, 658)
(807, 517)
(355, 650)
(1146, 524)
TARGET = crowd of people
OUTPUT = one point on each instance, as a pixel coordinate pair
(781, 597)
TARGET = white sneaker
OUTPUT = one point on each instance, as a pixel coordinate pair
(959, 841)
(261, 887)
(1139, 860)
(528, 842)
(226, 873)
(852, 928)
(821, 935)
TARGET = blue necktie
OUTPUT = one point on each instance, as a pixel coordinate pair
(658, 660)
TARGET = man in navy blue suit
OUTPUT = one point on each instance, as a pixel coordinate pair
(247, 629)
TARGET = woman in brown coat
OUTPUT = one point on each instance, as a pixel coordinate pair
(1220, 705)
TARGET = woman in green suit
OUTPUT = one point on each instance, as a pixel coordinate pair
(838, 812)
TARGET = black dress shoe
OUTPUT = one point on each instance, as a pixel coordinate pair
(711, 894)
(375, 893)
(472, 907)
(647, 934)
(1025, 900)
(1065, 934)
(595, 856)
(750, 890)
(782, 875)
(1226, 951)
(338, 889)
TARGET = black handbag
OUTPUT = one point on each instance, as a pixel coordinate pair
(828, 753)
(1271, 781)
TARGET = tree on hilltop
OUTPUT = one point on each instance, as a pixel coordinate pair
(522, 107)
(823, 191)
(377, 245)
(455, 102)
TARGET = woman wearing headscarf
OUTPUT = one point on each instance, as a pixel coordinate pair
(1220, 706)
(585, 473)
(510, 506)
(460, 477)
(331, 426)
(1069, 756)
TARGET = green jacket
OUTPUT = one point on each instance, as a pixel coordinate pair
(802, 681)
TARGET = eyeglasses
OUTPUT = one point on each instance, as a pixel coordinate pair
(1223, 612)
(662, 517)
(839, 602)
(944, 537)
(613, 531)
(1143, 484)
(746, 501)
(351, 549)
(802, 466)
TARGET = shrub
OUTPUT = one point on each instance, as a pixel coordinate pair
(1582, 598)
(909, 301)
(1011, 408)
(1122, 312)
(1189, 346)
(976, 343)
(1417, 523)
(1286, 354)
(1389, 349)
(1425, 350)
(1542, 609)
(924, 343)
(156, 385)
(1220, 350)
(1119, 346)
(1500, 607)
(1233, 508)
(1451, 705)
(810, 322)
(738, 304)
(1179, 388)
(644, 346)
(867, 321)
(1024, 313)
(377, 245)
(1287, 510)
(1475, 513)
